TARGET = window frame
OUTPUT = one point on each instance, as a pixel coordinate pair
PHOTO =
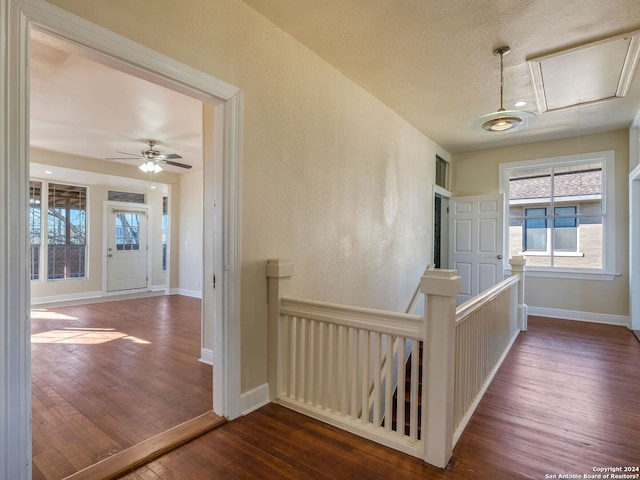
(607, 158)
(68, 243)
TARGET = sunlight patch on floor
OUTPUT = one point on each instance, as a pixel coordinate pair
(38, 314)
(83, 336)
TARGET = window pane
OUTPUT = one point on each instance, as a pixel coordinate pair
(583, 181)
(35, 223)
(66, 231)
(126, 196)
(535, 230)
(441, 172)
(165, 231)
(528, 184)
(565, 229)
(590, 233)
(127, 231)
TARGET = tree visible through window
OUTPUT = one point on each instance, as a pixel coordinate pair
(66, 231)
(35, 226)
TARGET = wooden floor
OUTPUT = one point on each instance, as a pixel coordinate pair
(566, 400)
(107, 376)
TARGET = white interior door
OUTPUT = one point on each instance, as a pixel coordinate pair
(476, 243)
(126, 248)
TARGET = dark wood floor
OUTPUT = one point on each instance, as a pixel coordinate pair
(107, 376)
(566, 400)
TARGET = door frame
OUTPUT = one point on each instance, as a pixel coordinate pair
(17, 17)
(444, 195)
(107, 204)
(634, 256)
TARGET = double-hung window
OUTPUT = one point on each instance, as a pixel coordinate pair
(561, 213)
(66, 231)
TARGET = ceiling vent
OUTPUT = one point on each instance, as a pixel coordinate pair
(590, 73)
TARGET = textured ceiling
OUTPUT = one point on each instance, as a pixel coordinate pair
(432, 61)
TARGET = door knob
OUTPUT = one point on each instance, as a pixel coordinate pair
(110, 255)
(499, 257)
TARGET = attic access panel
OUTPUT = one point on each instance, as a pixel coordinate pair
(589, 73)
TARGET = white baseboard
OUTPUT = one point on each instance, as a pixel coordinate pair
(254, 399)
(93, 297)
(186, 293)
(622, 320)
(206, 356)
(72, 297)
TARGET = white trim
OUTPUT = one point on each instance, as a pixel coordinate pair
(186, 293)
(575, 275)
(206, 356)
(16, 18)
(15, 346)
(622, 320)
(443, 192)
(634, 238)
(72, 297)
(254, 399)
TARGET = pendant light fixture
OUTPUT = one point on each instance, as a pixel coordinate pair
(503, 121)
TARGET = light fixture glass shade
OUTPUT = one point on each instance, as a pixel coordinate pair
(504, 121)
(150, 167)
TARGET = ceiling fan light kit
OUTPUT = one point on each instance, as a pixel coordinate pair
(503, 121)
(150, 167)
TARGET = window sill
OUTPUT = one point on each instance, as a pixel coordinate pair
(555, 254)
(564, 274)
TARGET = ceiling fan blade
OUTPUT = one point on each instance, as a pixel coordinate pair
(123, 158)
(175, 164)
(169, 156)
(132, 154)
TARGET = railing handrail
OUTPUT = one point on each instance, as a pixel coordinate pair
(379, 321)
(467, 308)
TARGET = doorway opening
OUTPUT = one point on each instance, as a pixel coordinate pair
(225, 103)
(119, 238)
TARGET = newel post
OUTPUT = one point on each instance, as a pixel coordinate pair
(518, 266)
(440, 288)
(279, 273)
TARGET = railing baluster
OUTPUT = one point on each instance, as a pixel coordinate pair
(353, 379)
(401, 386)
(388, 386)
(312, 369)
(293, 387)
(342, 388)
(413, 419)
(322, 371)
(302, 360)
(365, 355)
(377, 347)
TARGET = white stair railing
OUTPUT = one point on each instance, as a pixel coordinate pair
(324, 360)
(486, 327)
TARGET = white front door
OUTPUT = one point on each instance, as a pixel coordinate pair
(126, 248)
(476, 242)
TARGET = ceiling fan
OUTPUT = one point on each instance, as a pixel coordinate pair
(153, 158)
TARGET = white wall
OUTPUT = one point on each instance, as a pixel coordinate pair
(331, 178)
(190, 234)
